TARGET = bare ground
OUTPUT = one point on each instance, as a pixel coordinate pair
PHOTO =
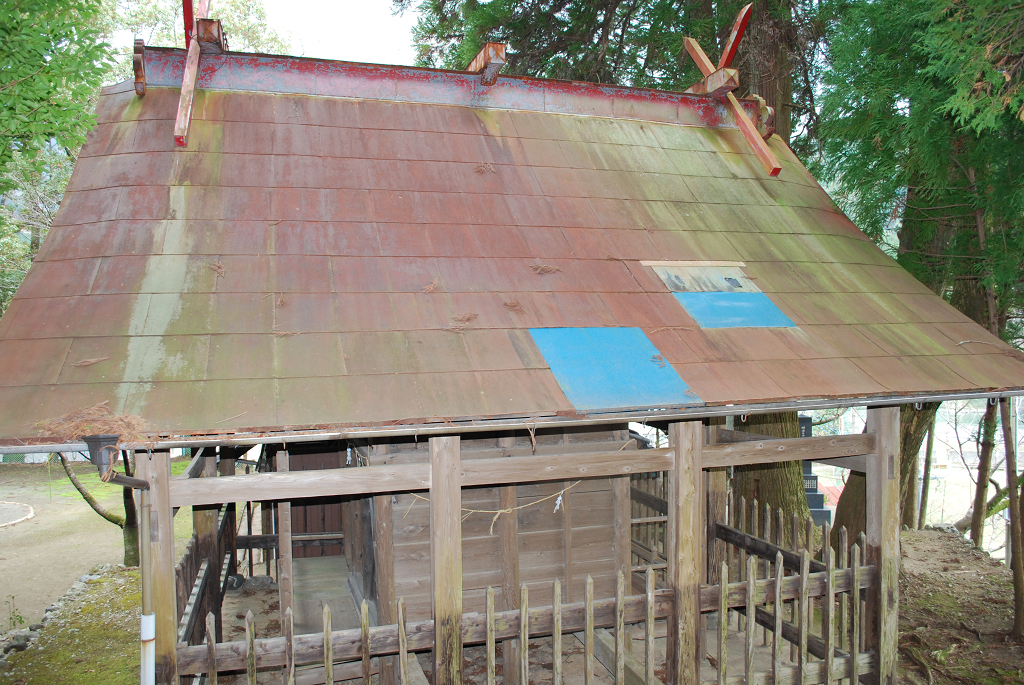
(956, 611)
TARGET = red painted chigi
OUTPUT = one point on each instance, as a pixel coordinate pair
(403, 318)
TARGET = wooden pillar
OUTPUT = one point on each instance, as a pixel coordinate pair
(717, 484)
(205, 522)
(508, 526)
(882, 524)
(284, 543)
(156, 468)
(446, 558)
(623, 514)
(226, 467)
(384, 568)
(685, 518)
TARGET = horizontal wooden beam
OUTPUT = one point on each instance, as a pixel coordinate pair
(370, 480)
(291, 485)
(792, 449)
(648, 500)
(763, 549)
(564, 467)
(301, 540)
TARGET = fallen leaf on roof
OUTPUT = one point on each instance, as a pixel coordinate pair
(485, 169)
(659, 360)
(90, 362)
(281, 334)
(280, 301)
(431, 287)
(219, 268)
(544, 268)
(461, 322)
(513, 306)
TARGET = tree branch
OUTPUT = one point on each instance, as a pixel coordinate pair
(96, 506)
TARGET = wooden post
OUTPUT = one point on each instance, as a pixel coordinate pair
(622, 507)
(685, 518)
(446, 558)
(508, 525)
(204, 521)
(384, 569)
(882, 521)
(226, 467)
(567, 540)
(284, 543)
(717, 494)
(156, 468)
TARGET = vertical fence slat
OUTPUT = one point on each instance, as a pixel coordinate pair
(620, 629)
(855, 615)
(649, 631)
(403, 644)
(809, 535)
(767, 562)
(524, 634)
(490, 635)
(250, 648)
(844, 547)
(780, 572)
(328, 648)
(588, 634)
(211, 648)
(364, 628)
(742, 523)
(723, 624)
(794, 545)
(556, 632)
(289, 647)
(748, 652)
(828, 618)
(805, 563)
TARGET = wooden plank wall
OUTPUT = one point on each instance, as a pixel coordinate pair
(319, 514)
(542, 531)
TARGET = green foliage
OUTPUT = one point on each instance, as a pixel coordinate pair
(14, 617)
(978, 48)
(160, 23)
(638, 42)
(53, 60)
(899, 158)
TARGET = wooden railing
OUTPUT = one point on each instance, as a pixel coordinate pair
(200, 584)
(349, 653)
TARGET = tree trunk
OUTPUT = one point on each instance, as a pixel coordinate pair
(765, 59)
(914, 424)
(910, 495)
(130, 528)
(852, 508)
(988, 443)
(926, 474)
(1016, 539)
(781, 484)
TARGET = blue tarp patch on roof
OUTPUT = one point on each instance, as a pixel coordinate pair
(611, 368)
(733, 310)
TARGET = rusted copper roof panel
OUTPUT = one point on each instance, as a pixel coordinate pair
(346, 245)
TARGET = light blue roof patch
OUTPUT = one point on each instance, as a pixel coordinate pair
(611, 368)
(733, 310)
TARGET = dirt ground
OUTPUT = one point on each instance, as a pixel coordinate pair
(41, 557)
(956, 611)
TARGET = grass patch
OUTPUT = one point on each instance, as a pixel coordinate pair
(93, 641)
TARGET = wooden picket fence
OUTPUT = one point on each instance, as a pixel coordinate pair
(819, 654)
(199, 585)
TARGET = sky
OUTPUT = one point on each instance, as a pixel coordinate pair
(352, 30)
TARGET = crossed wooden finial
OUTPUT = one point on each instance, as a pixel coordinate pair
(719, 83)
(201, 35)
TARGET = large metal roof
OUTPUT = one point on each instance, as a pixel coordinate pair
(353, 245)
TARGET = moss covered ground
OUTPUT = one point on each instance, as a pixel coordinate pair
(92, 641)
